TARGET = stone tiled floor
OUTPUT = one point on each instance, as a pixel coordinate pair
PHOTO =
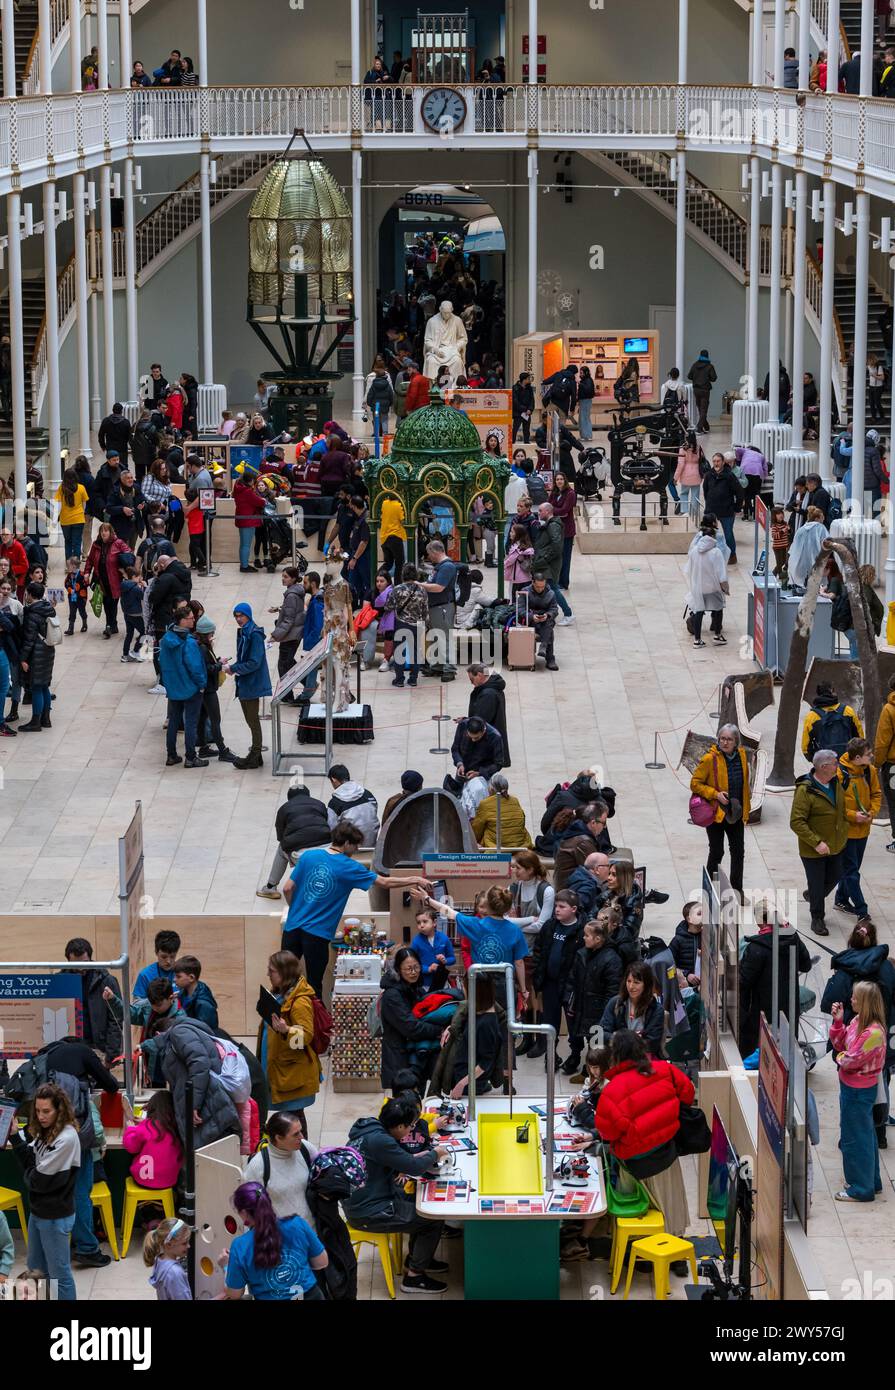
(627, 671)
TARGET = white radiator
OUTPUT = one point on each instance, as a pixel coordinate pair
(746, 415)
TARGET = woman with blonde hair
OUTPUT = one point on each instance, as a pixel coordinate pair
(50, 1163)
(860, 1054)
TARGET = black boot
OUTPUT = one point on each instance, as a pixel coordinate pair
(13, 713)
(525, 1045)
(539, 1049)
(45, 720)
(249, 761)
(32, 727)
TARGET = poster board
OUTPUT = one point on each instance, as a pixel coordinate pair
(303, 667)
(37, 1009)
(773, 1078)
(464, 875)
(710, 980)
(490, 411)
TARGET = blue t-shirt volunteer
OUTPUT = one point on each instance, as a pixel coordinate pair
(494, 940)
(323, 884)
(293, 1272)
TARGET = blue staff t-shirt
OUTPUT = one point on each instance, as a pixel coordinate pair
(146, 977)
(494, 940)
(323, 885)
(291, 1273)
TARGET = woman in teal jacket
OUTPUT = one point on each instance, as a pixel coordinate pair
(252, 678)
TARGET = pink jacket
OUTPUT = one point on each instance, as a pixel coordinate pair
(860, 1056)
(514, 571)
(158, 1156)
(687, 473)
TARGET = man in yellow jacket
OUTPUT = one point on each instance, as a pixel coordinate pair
(863, 798)
(884, 755)
(722, 777)
(829, 723)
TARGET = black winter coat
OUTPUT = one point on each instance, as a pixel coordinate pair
(34, 650)
(144, 444)
(10, 635)
(104, 1027)
(684, 947)
(484, 756)
(399, 1026)
(722, 493)
(127, 528)
(488, 702)
(523, 399)
(756, 971)
(188, 1053)
(851, 966)
(301, 821)
(541, 954)
(115, 433)
(167, 591)
(596, 981)
(576, 794)
(615, 1020)
(702, 374)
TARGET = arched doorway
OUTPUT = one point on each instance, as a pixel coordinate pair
(440, 241)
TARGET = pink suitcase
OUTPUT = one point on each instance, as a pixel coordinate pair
(521, 640)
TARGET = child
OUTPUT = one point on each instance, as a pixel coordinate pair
(780, 540)
(132, 608)
(489, 1044)
(160, 1003)
(488, 526)
(166, 947)
(163, 1250)
(595, 979)
(517, 565)
(155, 1143)
(468, 612)
(433, 947)
(685, 944)
(196, 999)
(553, 958)
(386, 619)
(405, 1086)
(76, 587)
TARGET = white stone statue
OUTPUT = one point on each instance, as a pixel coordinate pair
(445, 344)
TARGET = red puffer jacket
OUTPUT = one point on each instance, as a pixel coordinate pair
(637, 1113)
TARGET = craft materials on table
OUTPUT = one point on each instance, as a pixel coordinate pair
(559, 1108)
(446, 1190)
(564, 1139)
(511, 1206)
(456, 1141)
(575, 1203)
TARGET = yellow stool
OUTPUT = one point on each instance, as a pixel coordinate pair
(628, 1228)
(383, 1242)
(135, 1196)
(398, 1251)
(101, 1197)
(10, 1200)
(661, 1251)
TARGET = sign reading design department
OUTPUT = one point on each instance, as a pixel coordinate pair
(37, 1009)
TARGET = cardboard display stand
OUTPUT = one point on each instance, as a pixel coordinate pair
(218, 1174)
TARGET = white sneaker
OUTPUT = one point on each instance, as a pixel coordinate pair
(157, 690)
(385, 666)
(565, 621)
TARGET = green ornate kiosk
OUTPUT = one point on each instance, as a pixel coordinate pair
(437, 458)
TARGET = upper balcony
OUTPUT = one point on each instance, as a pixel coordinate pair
(851, 138)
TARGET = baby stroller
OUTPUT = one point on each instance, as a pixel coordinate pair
(814, 1027)
(592, 474)
(276, 538)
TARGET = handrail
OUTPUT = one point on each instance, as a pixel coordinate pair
(59, 15)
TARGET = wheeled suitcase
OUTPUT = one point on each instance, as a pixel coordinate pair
(521, 639)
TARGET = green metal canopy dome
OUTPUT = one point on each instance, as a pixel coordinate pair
(437, 431)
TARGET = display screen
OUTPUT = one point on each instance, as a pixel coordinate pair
(636, 345)
(721, 1196)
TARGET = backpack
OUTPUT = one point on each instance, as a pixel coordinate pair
(463, 586)
(323, 1027)
(537, 489)
(834, 511)
(264, 1151)
(35, 1072)
(832, 729)
(374, 1017)
(53, 634)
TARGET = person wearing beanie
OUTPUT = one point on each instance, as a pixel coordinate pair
(411, 782)
(829, 723)
(702, 374)
(210, 717)
(252, 679)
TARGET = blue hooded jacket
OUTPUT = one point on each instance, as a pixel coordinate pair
(313, 629)
(250, 666)
(182, 664)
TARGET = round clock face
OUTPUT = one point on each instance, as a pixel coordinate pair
(444, 109)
